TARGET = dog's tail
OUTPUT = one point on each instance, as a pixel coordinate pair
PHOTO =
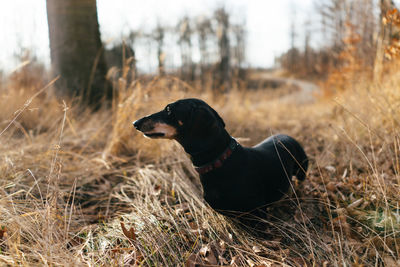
(301, 164)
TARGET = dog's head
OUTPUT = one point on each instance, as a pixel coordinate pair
(185, 120)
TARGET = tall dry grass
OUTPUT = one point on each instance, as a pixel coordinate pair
(70, 177)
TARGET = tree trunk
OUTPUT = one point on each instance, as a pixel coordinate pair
(224, 72)
(76, 50)
(159, 36)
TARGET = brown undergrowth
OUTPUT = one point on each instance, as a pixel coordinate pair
(82, 188)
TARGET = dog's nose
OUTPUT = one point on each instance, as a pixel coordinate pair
(136, 124)
(140, 123)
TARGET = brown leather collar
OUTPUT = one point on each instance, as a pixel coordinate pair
(220, 160)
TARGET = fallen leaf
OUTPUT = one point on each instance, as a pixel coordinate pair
(3, 236)
(298, 261)
(157, 190)
(222, 260)
(355, 204)
(75, 241)
(340, 223)
(3, 232)
(390, 262)
(222, 246)
(251, 263)
(235, 260)
(257, 249)
(330, 168)
(194, 260)
(208, 254)
(130, 234)
(133, 259)
(230, 236)
(182, 208)
(204, 250)
(331, 186)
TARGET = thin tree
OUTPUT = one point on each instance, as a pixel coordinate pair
(307, 64)
(76, 50)
(159, 35)
(224, 72)
(335, 15)
(293, 52)
(131, 41)
(205, 32)
(185, 44)
(239, 34)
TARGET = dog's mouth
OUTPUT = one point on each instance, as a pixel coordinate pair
(154, 135)
(159, 130)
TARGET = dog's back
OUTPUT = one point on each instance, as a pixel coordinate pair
(273, 163)
(288, 152)
(255, 177)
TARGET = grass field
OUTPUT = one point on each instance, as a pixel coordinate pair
(79, 188)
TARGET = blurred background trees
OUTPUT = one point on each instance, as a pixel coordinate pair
(211, 49)
(206, 49)
(353, 36)
(340, 36)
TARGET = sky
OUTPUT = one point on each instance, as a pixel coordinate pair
(23, 24)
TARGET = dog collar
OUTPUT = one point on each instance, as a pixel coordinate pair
(220, 160)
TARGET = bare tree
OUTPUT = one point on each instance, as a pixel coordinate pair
(159, 35)
(293, 52)
(348, 29)
(221, 46)
(131, 42)
(224, 72)
(76, 49)
(308, 64)
(185, 43)
(368, 29)
(205, 32)
(239, 49)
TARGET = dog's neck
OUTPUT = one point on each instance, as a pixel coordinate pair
(209, 151)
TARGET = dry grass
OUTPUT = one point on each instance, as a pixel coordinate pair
(70, 177)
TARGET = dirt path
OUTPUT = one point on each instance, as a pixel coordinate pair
(303, 96)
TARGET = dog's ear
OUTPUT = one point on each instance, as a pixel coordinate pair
(211, 112)
(203, 117)
(217, 116)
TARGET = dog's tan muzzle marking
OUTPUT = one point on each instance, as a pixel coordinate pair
(161, 130)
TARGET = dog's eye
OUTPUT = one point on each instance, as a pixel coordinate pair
(168, 109)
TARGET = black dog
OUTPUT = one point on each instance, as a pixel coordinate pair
(235, 179)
